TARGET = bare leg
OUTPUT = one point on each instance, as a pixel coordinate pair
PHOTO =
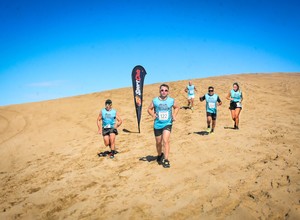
(112, 138)
(158, 140)
(208, 121)
(237, 115)
(213, 124)
(106, 140)
(189, 103)
(233, 116)
(166, 141)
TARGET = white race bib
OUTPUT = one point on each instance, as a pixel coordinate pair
(238, 105)
(107, 126)
(211, 105)
(163, 116)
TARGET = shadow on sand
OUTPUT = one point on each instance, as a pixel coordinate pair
(185, 107)
(148, 158)
(105, 153)
(229, 128)
(202, 133)
(127, 131)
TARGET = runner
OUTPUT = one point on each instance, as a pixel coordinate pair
(108, 129)
(190, 90)
(161, 111)
(212, 101)
(236, 97)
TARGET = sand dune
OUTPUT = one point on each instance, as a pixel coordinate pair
(49, 168)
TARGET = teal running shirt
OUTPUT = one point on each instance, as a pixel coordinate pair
(191, 90)
(236, 95)
(163, 111)
(211, 103)
(108, 118)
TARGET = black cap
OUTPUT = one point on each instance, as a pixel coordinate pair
(108, 102)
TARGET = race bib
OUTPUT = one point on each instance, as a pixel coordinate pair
(191, 92)
(238, 105)
(163, 116)
(211, 105)
(107, 126)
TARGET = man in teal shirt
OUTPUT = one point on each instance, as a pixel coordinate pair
(161, 110)
(212, 101)
(190, 90)
(108, 128)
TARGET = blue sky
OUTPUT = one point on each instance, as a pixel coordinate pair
(51, 49)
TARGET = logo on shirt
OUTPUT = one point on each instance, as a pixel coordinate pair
(107, 115)
(211, 99)
(163, 107)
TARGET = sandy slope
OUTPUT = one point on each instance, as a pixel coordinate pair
(49, 168)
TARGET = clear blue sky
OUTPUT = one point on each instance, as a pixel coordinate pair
(58, 48)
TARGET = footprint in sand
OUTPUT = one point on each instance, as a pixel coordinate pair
(33, 190)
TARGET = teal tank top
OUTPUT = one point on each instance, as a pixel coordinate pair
(211, 103)
(108, 118)
(236, 95)
(163, 111)
(191, 89)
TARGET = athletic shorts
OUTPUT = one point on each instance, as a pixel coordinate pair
(158, 132)
(191, 96)
(108, 131)
(233, 106)
(212, 115)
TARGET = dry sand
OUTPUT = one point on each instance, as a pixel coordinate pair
(49, 168)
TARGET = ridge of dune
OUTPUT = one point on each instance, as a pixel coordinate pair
(49, 168)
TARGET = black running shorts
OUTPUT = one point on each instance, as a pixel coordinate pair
(212, 115)
(158, 132)
(233, 106)
(107, 131)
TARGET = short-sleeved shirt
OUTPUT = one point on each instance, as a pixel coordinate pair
(211, 102)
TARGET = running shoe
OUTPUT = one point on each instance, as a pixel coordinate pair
(166, 163)
(111, 155)
(102, 154)
(160, 158)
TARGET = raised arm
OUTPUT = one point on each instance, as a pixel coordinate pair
(202, 98)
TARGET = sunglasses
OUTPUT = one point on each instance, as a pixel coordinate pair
(210, 90)
(164, 90)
